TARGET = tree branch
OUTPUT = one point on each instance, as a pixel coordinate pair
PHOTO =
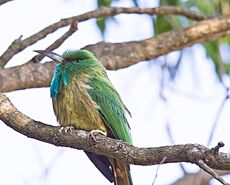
(199, 178)
(210, 171)
(4, 1)
(57, 43)
(82, 140)
(120, 55)
(18, 45)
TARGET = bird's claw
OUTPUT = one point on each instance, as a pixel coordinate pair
(66, 129)
(99, 132)
(92, 132)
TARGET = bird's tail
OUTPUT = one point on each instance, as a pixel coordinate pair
(121, 172)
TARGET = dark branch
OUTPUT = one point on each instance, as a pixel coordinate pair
(4, 1)
(18, 45)
(82, 140)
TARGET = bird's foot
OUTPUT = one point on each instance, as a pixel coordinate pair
(98, 132)
(92, 132)
(66, 129)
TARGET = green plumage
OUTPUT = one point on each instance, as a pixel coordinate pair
(110, 107)
(84, 97)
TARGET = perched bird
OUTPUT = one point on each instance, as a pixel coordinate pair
(83, 97)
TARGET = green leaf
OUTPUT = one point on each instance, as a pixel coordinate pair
(101, 22)
(161, 25)
(208, 7)
(166, 23)
(101, 3)
(169, 2)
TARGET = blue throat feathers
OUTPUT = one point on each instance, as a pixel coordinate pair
(60, 77)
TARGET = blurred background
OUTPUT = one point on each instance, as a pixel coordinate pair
(178, 98)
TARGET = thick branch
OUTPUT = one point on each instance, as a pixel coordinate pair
(82, 140)
(120, 55)
(19, 44)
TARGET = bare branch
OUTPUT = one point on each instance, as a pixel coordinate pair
(120, 55)
(216, 149)
(82, 140)
(19, 45)
(26, 76)
(4, 1)
(199, 178)
(206, 168)
(163, 10)
(57, 43)
(158, 168)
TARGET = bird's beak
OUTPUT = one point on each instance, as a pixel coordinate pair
(55, 57)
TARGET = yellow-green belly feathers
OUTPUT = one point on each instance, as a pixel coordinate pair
(76, 108)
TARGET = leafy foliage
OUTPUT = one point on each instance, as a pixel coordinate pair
(167, 23)
(101, 22)
(212, 8)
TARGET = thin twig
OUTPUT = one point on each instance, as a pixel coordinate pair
(57, 43)
(46, 169)
(210, 171)
(218, 116)
(216, 149)
(174, 69)
(158, 167)
(20, 45)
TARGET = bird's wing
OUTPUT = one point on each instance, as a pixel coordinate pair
(111, 107)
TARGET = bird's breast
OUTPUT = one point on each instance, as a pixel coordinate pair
(74, 106)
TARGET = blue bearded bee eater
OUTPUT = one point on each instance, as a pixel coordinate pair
(83, 97)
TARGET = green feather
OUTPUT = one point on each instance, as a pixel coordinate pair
(84, 97)
(82, 66)
(110, 106)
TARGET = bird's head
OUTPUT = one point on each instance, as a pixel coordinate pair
(68, 56)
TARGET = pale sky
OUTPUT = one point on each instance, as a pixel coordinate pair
(191, 107)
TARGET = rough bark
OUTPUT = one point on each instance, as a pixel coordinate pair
(18, 44)
(113, 56)
(98, 143)
(120, 55)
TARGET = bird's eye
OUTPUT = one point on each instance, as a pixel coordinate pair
(68, 60)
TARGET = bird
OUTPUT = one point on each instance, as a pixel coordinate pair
(84, 98)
